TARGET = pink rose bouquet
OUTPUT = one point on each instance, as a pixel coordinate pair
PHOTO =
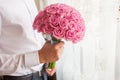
(60, 21)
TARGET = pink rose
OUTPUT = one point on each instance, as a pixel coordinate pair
(69, 35)
(40, 29)
(78, 37)
(64, 23)
(54, 20)
(52, 9)
(37, 24)
(42, 14)
(38, 20)
(48, 29)
(72, 25)
(58, 33)
(62, 10)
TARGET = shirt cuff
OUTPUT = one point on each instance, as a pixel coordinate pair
(31, 59)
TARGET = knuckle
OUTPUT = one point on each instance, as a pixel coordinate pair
(56, 52)
(57, 57)
(54, 47)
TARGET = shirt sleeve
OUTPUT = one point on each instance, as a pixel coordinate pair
(31, 59)
(11, 63)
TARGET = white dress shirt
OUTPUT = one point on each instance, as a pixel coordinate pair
(19, 43)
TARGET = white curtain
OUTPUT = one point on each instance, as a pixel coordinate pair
(94, 58)
(118, 45)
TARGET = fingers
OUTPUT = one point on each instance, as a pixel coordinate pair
(59, 45)
(51, 53)
(50, 72)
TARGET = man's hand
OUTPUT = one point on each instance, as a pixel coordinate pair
(50, 72)
(50, 52)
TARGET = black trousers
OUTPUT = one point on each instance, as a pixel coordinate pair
(52, 77)
(32, 76)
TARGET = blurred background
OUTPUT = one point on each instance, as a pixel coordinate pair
(97, 56)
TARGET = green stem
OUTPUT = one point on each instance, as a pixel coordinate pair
(51, 65)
